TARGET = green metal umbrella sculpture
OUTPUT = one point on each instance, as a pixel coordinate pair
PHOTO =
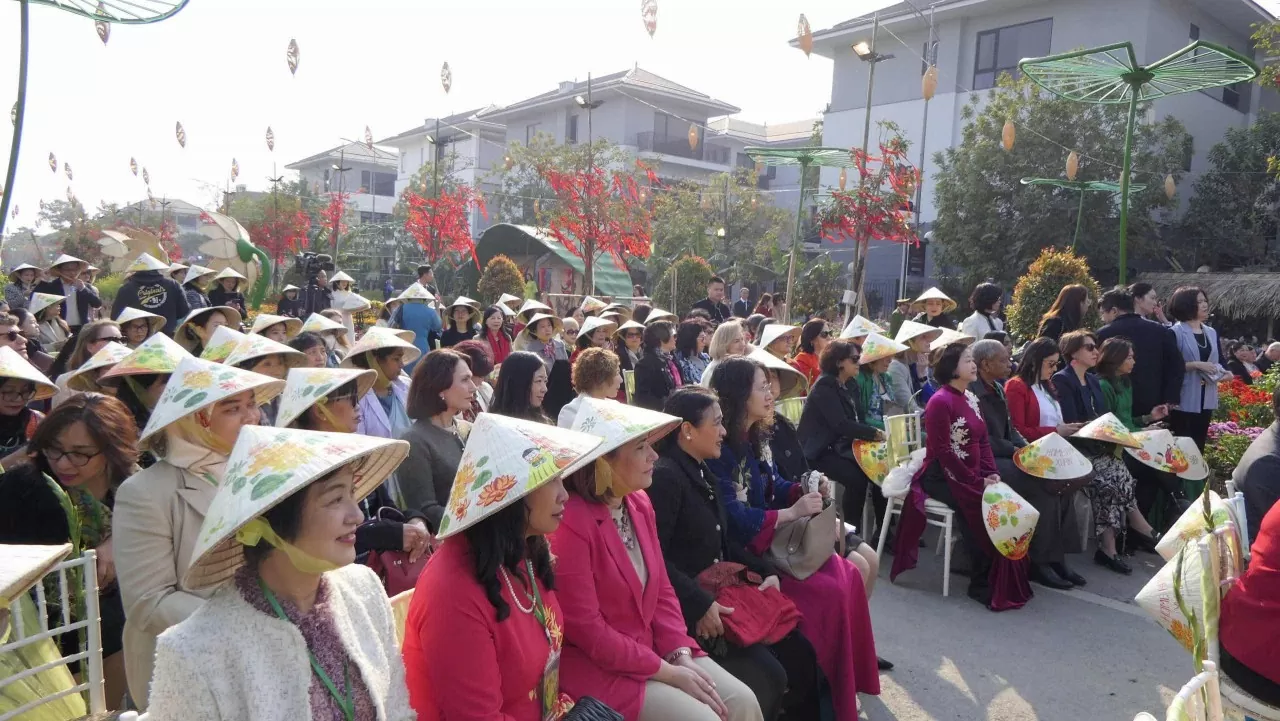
(805, 158)
(1081, 187)
(103, 13)
(1111, 75)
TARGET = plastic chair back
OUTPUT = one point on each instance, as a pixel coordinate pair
(629, 381)
(791, 409)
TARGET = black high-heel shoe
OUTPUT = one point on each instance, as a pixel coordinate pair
(1142, 541)
(1113, 563)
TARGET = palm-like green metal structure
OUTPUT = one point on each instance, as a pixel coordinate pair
(1082, 187)
(1111, 75)
(124, 12)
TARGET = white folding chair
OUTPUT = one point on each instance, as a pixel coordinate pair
(133, 716)
(90, 657)
(629, 382)
(1235, 500)
(1200, 699)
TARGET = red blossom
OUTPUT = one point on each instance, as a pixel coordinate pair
(442, 224)
(600, 212)
(875, 208)
(282, 232)
(334, 215)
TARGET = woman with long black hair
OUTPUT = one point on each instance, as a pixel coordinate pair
(1067, 312)
(522, 385)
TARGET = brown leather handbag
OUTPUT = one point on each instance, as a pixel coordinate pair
(800, 547)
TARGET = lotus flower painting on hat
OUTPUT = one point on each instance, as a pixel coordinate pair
(1010, 521)
(1052, 457)
(874, 459)
(1109, 429)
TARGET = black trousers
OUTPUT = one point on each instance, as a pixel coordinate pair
(935, 486)
(1192, 424)
(1147, 492)
(1056, 533)
(847, 473)
(784, 676)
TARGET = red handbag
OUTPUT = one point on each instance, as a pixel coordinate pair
(398, 574)
(758, 617)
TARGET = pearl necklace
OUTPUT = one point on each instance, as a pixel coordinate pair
(514, 597)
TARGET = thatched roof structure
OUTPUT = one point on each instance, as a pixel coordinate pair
(1239, 296)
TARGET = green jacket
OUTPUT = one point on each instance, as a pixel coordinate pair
(1119, 396)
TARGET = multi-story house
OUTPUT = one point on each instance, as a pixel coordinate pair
(780, 183)
(367, 175)
(974, 41)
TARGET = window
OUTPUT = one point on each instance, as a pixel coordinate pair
(529, 132)
(571, 129)
(378, 183)
(662, 126)
(1000, 50)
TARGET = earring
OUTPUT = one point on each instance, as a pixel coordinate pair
(688, 437)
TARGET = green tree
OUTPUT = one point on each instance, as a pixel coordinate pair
(501, 275)
(690, 275)
(814, 294)
(991, 226)
(1038, 288)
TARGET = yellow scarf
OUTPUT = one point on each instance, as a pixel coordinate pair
(382, 382)
(259, 529)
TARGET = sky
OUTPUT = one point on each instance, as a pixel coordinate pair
(219, 68)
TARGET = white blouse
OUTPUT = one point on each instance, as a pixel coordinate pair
(1050, 411)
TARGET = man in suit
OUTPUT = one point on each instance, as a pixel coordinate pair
(1268, 358)
(66, 282)
(713, 304)
(742, 306)
(1157, 364)
(1258, 473)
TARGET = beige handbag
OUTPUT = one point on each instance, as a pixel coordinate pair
(800, 547)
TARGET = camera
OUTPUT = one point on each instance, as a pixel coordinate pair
(309, 264)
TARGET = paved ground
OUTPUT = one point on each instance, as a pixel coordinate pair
(1079, 655)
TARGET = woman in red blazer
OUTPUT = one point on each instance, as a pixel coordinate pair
(1039, 363)
(625, 638)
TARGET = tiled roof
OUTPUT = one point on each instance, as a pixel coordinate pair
(355, 152)
(447, 124)
(636, 79)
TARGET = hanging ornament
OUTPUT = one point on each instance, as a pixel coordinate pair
(537, 206)
(446, 77)
(929, 83)
(271, 139)
(102, 26)
(66, 167)
(508, 162)
(133, 167)
(146, 177)
(649, 11)
(1073, 165)
(368, 138)
(291, 56)
(706, 202)
(315, 187)
(151, 198)
(693, 136)
(759, 168)
(1170, 186)
(805, 34)
(71, 197)
(53, 163)
(181, 133)
(14, 213)
(235, 169)
(844, 177)
(1007, 135)
(644, 196)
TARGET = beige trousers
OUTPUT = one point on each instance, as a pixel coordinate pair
(666, 703)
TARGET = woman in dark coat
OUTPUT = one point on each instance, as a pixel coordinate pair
(1066, 314)
(656, 373)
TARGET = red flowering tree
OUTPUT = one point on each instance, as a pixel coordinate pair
(282, 232)
(441, 221)
(334, 217)
(876, 208)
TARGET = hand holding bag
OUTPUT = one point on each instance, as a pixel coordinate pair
(800, 547)
(397, 572)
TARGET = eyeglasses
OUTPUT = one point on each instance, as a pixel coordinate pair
(76, 458)
(1090, 346)
(570, 332)
(22, 395)
(632, 334)
(110, 339)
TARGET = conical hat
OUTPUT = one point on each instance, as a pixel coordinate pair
(13, 274)
(292, 326)
(350, 302)
(629, 325)
(157, 354)
(305, 386)
(229, 272)
(793, 382)
(592, 304)
(13, 365)
(948, 305)
(198, 384)
(1010, 521)
(874, 459)
(268, 465)
(876, 347)
(529, 308)
(506, 298)
(316, 323)
(611, 316)
(175, 267)
(618, 424)
(1197, 467)
(40, 301)
(256, 346)
(464, 302)
(145, 262)
(196, 271)
(948, 337)
(1190, 526)
(131, 314)
(620, 309)
(224, 340)
(1051, 457)
(1109, 429)
(774, 331)
(592, 324)
(340, 277)
(22, 567)
(415, 292)
(231, 314)
(858, 327)
(557, 325)
(660, 314)
(1159, 600)
(1163, 452)
(289, 287)
(64, 259)
(107, 356)
(506, 459)
(910, 330)
(376, 338)
(507, 311)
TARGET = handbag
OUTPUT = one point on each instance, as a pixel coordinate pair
(800, 547)
(588, 708)
(397, 572)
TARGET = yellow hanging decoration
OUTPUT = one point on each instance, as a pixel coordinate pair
(537, 206)
(805, 34)
(705, 203)
(1008, 134)
(693, 136)
(844, 177)
(1073, 165)
(929, 83)
(1170, 186)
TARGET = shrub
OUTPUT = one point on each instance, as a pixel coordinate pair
(1035, 292)
(819, 290)
(691, 274)
(108, 286)
(501, 275)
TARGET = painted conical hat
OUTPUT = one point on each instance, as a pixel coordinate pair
(1051, 457)
(376, 338)
(874, 459)
(229, 272)
(793, 383)
(157, 354)
(507, 311)
(557, 325)
(859, 327)
(350, 301)
(948, 305)
(591, 304)
(144, 262)
(1197, 467)
(507, 298)
(618, 424)
(948, 337)
(21, 567)
(629, 325)
(1109, 429)
(774, 331)
(340, 277)
(1159, 600)
(268, 465)
(876, 347)
(13, 365)
(292, 326)
(64, 259)
(305, 386)
(623, 311)
(107, 356)
(464, 302)
(131, 314)
(224, 340)
(1010, 521)
(1163, 451)
(40, 301)
(1190, 526)
(198, 384)
(316, 323)
(196, 271)
(175, 267)
(256, 346)
(230, 314)
(415, 292)
(289, 287)
(660, 314)
(13, 274)
(592, 324)
(911, 330)
(506, 459)
(529, 308)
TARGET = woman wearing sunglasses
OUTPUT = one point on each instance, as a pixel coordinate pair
(814, 337)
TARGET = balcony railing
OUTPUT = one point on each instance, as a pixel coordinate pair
(679, 147)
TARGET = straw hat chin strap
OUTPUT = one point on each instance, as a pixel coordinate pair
(382, 382)
(322, 406)
(139, 392)
(197, 428)
(259, 529)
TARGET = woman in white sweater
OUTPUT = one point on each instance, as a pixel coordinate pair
(296, 629)
(985, 301)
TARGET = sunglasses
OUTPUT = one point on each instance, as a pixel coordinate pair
(110, 339)
(1090, 346)
(12, 335)
(827, 333)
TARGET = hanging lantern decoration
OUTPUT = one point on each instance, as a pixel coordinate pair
(844, 177)
(133, 167)
(929, 83)
(368, 138)
(315, 187)
(151, 198)
(102, 26)
(71, 197)
(271, 139)
(291, 56)
(446, 77)
(1073, 165)
(537, 206)
(805, 34)
(235, 169)
(508, 162)
(1170, 186)
(146, 177)
(1008, 134)
(755, 201)
(705, 202)
(759, 167)
(693, 136)
(644, 196)
(649, 12)
(181, 133)
(66, 168)
(53, 163)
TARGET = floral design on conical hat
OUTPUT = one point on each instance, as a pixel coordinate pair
(254, 346)
(341, 277)
(659, 314)
(618, 424)
(157, 354)
(224, 340)
(107, 356)
(948, 305)
(593, 323)
(316, 323)
(876, 347)
(1190, 526)
(13, 365)
(376, 338)
(1051, 457)
(303, 387)
(910, 330)
(145, 262)
(529, 308)
(266, 466)
(591, 304)
(197, 384)
(1010, 521)
(1197, 467)
(40, 301)
(350, 301)
(196, 271)
(13, 274)
(874, 459)
(231, 315)
(1109, 429)
(1163, 452)
(292, 326)
(131, 314)
(793, 382)
(22, 566)
(506, 459)
(629, 325)
(859, 327)
(949, 337)
(774, 331)
(1159, 600)
(64, 259)
(415, 292)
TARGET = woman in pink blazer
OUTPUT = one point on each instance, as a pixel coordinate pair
(625, 638)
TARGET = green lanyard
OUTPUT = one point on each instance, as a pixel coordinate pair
(539, 611)
(347, 700)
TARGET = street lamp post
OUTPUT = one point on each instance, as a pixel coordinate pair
(866, 52)
(341, 168)
(589, 247)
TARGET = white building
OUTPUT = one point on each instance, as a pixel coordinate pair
(367, 175)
